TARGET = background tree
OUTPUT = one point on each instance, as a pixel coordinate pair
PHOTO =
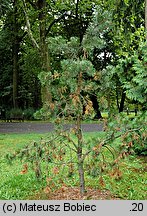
(44, 20)
(127, 34)
(130, 31)
(13, 29)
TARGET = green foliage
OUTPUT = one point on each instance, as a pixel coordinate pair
(28, 113)
(75, 64)
(137, 88)
(6, 68)
(132, 132)
(19, 114)
(128, 76)
(73, 68)
(111, 28)
(100, 25)
(4, 7)
(15, 114)
(64, 88)
(60, 47)
(42, 114)
(129, 22)
(131, 73)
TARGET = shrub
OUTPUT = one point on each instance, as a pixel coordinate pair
(132, 132)
(29, 114)
(15, 114)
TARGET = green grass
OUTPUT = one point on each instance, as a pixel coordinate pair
(11, 142)
(14, 185)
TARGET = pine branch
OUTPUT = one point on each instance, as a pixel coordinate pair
(105, 142)
(67, 137)
(109, 150)
(68, 146)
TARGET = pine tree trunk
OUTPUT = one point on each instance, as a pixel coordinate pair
(80, 157)
(80, 140)
(81, 176)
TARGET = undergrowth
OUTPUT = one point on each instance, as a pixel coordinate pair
(17, 182)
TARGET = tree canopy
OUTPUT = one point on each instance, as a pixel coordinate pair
(37, 36)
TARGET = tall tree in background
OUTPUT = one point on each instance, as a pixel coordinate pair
(42, 18)
(11, 25)
(41, 8)
(15, 48)
(128, 19)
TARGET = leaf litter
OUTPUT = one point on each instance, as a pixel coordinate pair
(73, 193)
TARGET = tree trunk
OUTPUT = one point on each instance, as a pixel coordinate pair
(80, 139)
(81, 175)
(109, 106)
(80, 157)
(15, 75)
(37, 96)
(43, 44)
(96, 106)
(15, 56)
(121, 107)
(46, 96)
(117, 100)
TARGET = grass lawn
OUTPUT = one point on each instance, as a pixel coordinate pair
(15, 186)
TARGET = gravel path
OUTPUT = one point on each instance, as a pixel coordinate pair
(33, 127)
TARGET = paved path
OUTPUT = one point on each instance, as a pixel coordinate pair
(34, 127)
